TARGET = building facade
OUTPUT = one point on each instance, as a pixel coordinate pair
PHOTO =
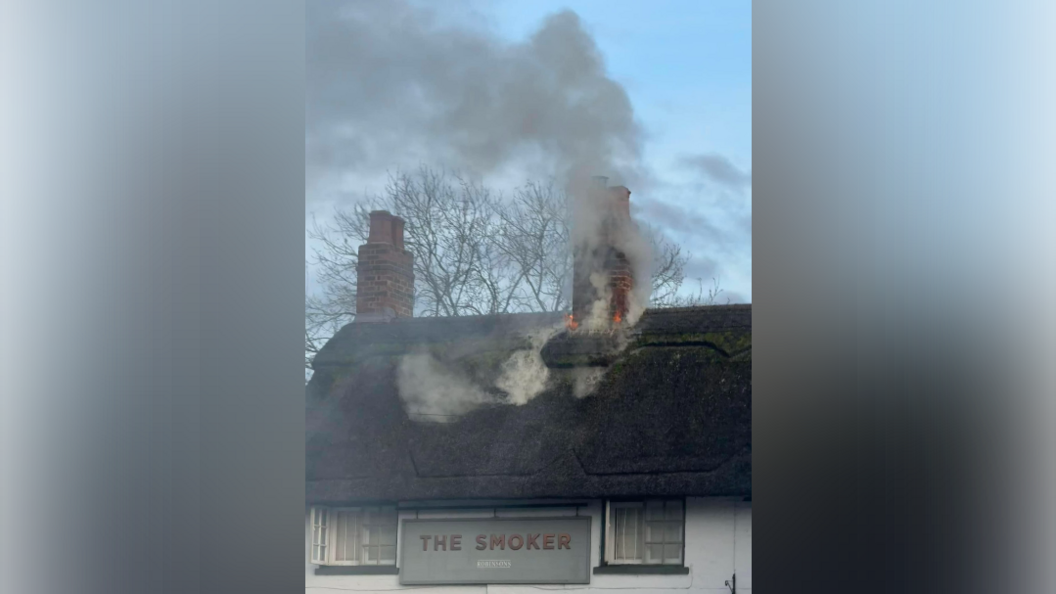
(717, 544)
(518, 453)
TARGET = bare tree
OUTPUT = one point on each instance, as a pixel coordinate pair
(474, 252)
(667, 268)
(335, 260)
(701, 297)
(450, 226)
(534, 238)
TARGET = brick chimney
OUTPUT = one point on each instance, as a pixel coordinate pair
(385, 273)
(605, 258)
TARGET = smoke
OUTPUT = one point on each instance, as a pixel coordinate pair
(434, 392)
(392, 85)
(594, 231)
(598, 317)
(585, 379)
(524, 374)
(639, 250)
(437, 390)
(389, 85)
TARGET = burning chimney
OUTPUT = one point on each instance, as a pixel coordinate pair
(608, 265)
(385, 273)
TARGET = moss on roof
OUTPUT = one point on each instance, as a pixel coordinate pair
(670, 416)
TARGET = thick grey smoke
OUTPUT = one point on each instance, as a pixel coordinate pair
(389, 85)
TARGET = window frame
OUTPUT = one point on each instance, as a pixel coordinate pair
(610, 522)
(608, 540)
(319, 540)
(328, 544)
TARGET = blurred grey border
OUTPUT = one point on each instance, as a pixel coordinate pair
(153, 265)
(151, 240)
(903, 281)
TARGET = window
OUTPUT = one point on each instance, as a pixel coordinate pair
(354, 536)
(646, 532)
(319, 535)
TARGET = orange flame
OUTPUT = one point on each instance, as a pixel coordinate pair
(617, 318)
(570, 322)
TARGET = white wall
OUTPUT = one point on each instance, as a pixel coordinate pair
(718, 543)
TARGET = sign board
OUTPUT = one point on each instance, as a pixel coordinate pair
(496, 551)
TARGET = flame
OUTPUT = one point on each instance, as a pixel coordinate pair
(617, 318)
(570, 322)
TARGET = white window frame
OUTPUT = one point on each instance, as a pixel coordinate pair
(326, 518)
(610, 531)
(641, 504)
(318, 526)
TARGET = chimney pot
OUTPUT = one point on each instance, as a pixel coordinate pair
(600, 181)
(380, 227)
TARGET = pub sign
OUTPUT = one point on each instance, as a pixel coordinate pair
(496, 551)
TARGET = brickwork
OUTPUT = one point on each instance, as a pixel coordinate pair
(385, 273)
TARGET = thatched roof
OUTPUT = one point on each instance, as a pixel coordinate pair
(670, 416)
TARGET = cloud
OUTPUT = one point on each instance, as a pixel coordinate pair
(675, 218)
(713, 233)
(732, 297)
(718, 169)
(702, 269)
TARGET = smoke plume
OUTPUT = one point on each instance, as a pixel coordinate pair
(585, 379)
(432, 391)
(389, 85)
(594, 230)
(524, 374)
(437, 388)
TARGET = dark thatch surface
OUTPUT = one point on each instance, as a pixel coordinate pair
(670, 416)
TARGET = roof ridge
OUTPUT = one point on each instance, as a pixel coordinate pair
(555, 314)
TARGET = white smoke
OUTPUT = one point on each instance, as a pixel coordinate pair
(590, 237)
(599, 318)
(585, 380)
(433, 392)
(524, 374)
(639, 251)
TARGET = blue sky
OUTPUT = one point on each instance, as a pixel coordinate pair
(686, 67)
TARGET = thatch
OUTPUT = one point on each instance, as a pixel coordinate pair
(670, 416)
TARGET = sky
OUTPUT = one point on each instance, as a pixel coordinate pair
(684, 67)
